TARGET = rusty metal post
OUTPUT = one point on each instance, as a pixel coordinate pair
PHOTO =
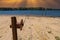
(14, 29)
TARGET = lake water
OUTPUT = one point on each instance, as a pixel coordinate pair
(32, 12)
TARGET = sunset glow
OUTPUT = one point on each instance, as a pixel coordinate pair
(30, 3)
(35, 3)
(11, 1)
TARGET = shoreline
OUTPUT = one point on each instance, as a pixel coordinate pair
(32, 16)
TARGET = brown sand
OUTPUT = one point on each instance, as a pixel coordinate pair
(35, 28)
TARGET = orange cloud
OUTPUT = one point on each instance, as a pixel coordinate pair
(10, 3)
(30, 3)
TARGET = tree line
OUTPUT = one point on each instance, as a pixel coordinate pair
(37, 8)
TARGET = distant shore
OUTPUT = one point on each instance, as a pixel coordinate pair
(31, 8)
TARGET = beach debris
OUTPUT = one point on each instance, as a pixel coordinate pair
(49, 31)
(57, 38)
(0, 36)
(20, 39)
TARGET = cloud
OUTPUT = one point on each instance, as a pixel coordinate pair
(30, 3)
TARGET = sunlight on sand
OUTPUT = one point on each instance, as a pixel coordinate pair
(35, 28)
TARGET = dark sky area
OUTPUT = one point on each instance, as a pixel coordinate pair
(30, 3)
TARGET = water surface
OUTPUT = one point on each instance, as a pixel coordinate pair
(32, 12)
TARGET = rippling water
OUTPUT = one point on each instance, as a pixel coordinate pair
(32, 12)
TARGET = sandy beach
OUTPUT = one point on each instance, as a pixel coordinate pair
(35, 28)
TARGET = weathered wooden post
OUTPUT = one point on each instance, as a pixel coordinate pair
(14, 27)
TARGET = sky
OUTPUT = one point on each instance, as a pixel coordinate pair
(30, 3)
